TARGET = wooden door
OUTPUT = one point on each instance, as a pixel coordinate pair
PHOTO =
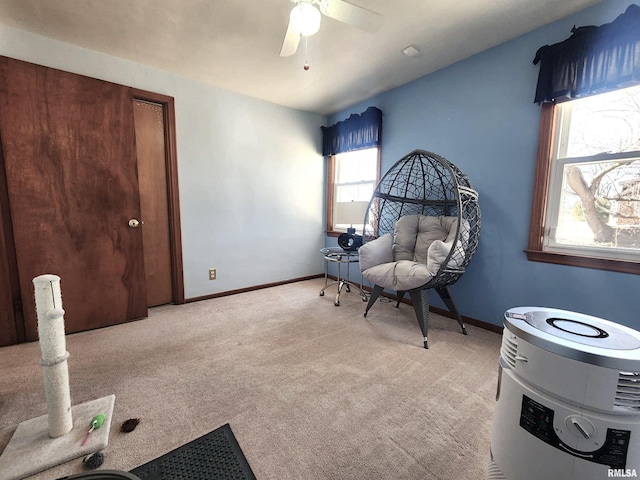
(70, 163)
(154, 202)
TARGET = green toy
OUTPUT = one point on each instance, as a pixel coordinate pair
(96, 422)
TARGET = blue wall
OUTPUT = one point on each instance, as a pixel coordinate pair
(479, 114)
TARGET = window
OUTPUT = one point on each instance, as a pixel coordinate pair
(587, 198)
(352, 179)
(352, 147)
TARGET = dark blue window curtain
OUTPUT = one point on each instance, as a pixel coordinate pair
(355, 133)
(593, 60)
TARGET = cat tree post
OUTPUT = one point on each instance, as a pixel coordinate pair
(53, 439)
(54, 354)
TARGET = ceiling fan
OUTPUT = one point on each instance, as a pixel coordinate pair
(305, 16)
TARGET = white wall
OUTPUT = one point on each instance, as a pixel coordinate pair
(251, 173)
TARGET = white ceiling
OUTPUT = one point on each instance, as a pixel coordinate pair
(235, 44)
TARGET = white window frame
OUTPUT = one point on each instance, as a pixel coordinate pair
(559, 161)
(333, 228)
(547, 193)
(555, 195)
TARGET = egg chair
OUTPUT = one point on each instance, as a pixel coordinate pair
(421, 230)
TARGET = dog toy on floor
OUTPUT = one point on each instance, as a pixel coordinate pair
(93, 461)
(129, 425)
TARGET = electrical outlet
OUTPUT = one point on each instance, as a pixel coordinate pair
(212, 274)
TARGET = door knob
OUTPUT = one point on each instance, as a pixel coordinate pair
(133, 223)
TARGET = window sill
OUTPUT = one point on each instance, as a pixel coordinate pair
(583, 261)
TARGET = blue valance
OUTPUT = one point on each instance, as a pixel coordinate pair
(593, 60)
(355, 133)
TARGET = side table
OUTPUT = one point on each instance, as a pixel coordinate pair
(340, 256)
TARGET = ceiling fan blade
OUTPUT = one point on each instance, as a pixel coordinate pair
(351, 14)
(290, 43)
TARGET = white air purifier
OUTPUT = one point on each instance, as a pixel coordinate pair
(568, 399)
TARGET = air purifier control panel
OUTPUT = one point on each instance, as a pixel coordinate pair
(540, 421)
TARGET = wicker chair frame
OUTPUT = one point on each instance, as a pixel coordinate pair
(423, 183)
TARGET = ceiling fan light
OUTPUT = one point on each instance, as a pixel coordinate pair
(305, 19)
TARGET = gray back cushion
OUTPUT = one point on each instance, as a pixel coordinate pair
(415, 233)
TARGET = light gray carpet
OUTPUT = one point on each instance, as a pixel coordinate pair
(312, 391)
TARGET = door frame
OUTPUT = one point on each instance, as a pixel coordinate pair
(12, 329)
(171, 164)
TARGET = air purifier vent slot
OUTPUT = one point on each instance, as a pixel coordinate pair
(509, 349)
(628, 391)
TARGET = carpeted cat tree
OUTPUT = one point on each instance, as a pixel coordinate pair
(54, 438)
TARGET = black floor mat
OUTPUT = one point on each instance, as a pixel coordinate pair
(215, 455)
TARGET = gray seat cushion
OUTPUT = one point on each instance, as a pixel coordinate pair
(420, 246)
(402, 275)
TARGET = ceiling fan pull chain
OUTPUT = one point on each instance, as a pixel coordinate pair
(306, 53)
